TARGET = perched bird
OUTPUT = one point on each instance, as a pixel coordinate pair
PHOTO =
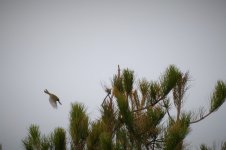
(53, 99)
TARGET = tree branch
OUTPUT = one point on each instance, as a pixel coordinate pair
(167, 110)
(201, 118)
(151, 105)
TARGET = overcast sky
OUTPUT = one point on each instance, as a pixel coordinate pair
(72, 47)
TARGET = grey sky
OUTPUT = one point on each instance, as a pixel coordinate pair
(71, 47)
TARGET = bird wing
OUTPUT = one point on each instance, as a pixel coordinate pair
(53, 103)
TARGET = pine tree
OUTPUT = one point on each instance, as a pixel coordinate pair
(135, 114)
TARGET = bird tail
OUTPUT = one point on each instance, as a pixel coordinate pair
(46, 91)
(60, 102)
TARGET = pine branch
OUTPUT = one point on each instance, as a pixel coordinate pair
(151, 105)
(201, 118)
(167, 110)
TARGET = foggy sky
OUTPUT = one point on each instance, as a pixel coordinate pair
(73, 47)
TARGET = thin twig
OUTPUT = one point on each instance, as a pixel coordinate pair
(167, 110)
(201, 118)
(105, 99)
(151, 105)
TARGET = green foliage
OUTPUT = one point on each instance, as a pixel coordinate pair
(169, 79)
(144, 87)
(180, 88)
(93, 140)
(223, 146)
(128, 80)
(155, 115)
(27, 144)
(78, 125)
(45, 143)
(33, 140)
(176, 133)
(124, 111)
(108, 116)
(59, 139)
(204, 147)
(124, 83)
(122, 142)
(179, 91)
(106, 141)
(117, 83)
(218, 96)
(155, 93)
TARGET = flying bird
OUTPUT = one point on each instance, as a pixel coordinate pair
(53, 99)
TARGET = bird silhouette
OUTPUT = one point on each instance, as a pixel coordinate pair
(53, 99)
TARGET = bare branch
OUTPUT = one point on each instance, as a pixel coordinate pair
(201, 118)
